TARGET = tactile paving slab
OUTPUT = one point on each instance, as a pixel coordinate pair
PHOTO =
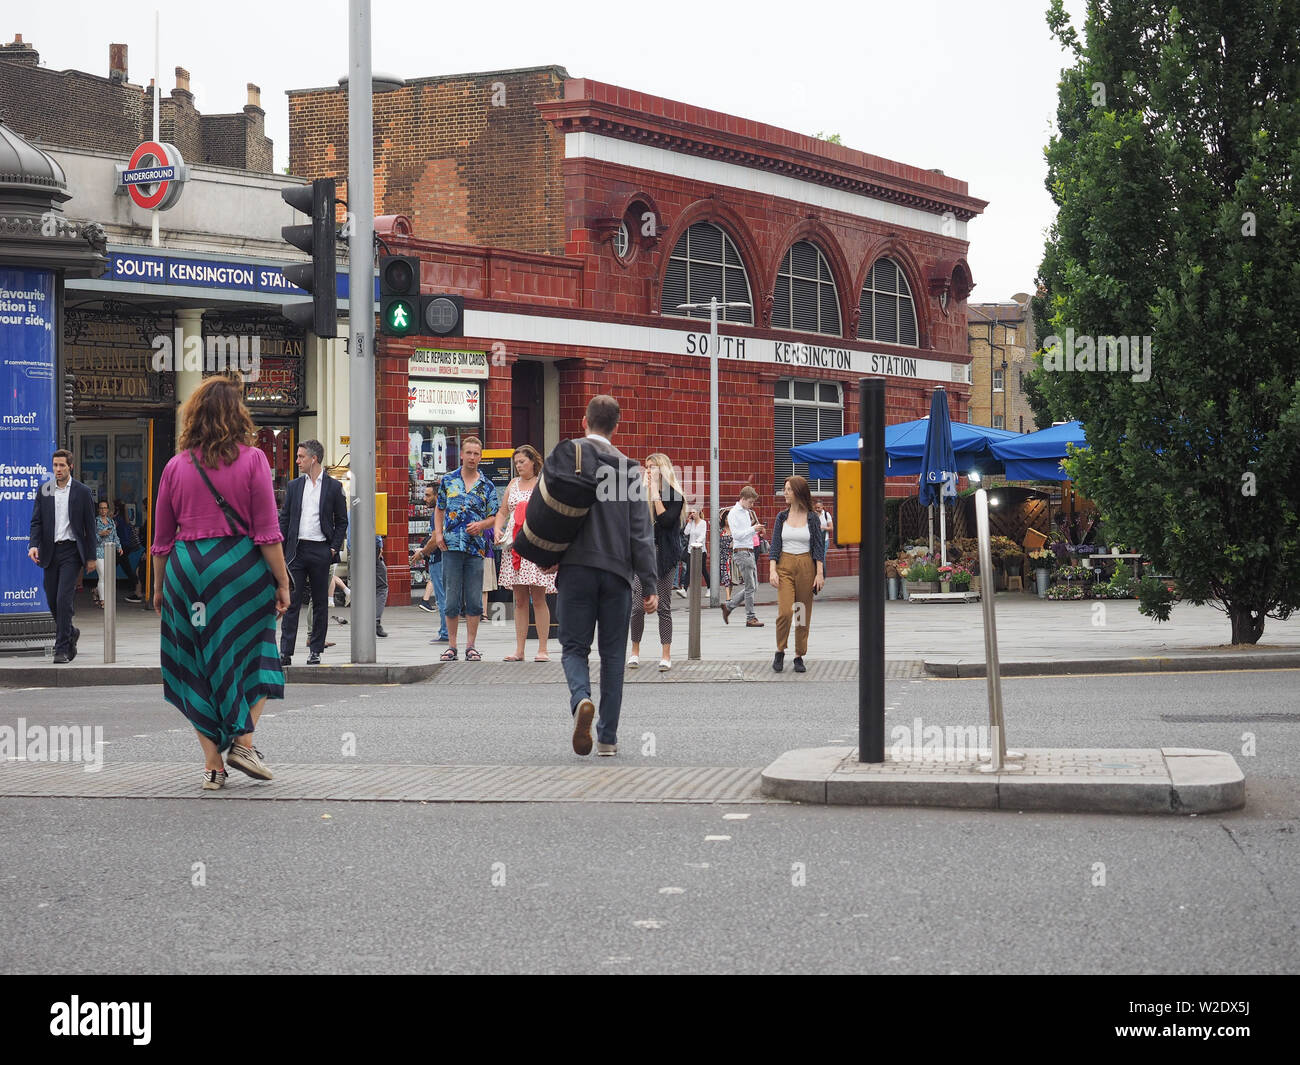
(391, 783)
(683, 672)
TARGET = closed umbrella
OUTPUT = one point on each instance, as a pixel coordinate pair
(939, 465)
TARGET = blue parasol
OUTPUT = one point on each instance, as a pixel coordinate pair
(1037, 456)
(904, 443)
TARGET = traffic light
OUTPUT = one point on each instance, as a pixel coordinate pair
(69, 397)
(403, 312)
(399, 295)
(442, 316)
(317, 239)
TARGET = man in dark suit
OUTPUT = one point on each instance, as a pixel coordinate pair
(314, 522)
(62, 541)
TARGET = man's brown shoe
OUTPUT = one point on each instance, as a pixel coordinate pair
(753, 623)
(726, 614)
(582, 718)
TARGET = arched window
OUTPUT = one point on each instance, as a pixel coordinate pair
(805, 296)
(887, 311)
(704, 264)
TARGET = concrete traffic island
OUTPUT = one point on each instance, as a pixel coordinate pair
(1168, 780)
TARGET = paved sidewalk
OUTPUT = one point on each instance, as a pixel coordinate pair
(1034, 636)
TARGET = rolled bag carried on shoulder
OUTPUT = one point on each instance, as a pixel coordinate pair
(558, 509)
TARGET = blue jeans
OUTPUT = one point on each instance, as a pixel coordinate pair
(462, 574)
(440, 596)
(589, 600)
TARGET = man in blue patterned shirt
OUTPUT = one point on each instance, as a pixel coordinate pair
(467, 507)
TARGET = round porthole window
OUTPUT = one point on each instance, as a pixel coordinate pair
(622, 241)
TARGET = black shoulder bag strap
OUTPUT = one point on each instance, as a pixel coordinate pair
(233, 519)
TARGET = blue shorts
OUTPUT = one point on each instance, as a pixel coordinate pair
(462, 581)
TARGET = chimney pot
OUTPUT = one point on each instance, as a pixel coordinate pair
(18, 38)
(117, 70)
(254, 95)
(182, 79)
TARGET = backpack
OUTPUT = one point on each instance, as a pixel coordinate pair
(558, 507)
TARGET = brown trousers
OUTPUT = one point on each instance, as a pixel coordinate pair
(794, 575)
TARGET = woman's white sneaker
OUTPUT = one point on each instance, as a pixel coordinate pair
(664, 665)
(634, 662)
(247, 760)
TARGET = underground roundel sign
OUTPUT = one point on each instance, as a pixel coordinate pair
(155, 176)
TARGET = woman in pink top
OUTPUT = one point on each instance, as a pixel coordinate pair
(220, 582)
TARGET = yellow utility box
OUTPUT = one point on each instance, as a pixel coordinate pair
(848, 502)
(381, 513)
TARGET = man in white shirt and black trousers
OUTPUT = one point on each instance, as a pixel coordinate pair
(314, 522)
(62, 540)
(744, 545)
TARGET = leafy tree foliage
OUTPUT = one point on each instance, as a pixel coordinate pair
(1176, 171)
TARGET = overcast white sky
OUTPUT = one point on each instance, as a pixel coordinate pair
(967, 87)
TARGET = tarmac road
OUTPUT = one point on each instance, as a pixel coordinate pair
(108, 885)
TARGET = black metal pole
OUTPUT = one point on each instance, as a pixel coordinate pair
(871, 573)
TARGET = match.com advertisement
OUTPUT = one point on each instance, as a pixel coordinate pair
(27, 427)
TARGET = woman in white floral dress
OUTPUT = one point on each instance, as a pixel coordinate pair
(519, 573)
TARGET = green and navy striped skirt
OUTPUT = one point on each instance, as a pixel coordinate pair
(219, 655)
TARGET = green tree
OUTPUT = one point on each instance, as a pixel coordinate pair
(1176, 172)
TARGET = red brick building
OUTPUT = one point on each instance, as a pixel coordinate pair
(574, 217)
(72, 107)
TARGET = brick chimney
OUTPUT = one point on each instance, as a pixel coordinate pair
(182, 81)
(117, 73)
(19, 51)
(254, 98)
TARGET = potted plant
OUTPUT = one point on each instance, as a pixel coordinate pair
(961, 578)
(892, 580)
(1000, 547)
(945, 579)
(1044, 561)
(921, 575)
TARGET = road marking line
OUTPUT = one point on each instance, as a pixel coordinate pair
(672, 891)
(720, 839)
(735, 817)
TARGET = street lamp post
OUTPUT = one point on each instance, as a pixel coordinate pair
(715, 580)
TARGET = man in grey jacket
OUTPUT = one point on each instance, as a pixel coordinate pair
(595, 585)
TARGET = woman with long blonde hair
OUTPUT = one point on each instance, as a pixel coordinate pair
(665, 498)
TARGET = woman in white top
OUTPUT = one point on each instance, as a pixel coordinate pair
(519, 573)
(697, 535)
(796, 569)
